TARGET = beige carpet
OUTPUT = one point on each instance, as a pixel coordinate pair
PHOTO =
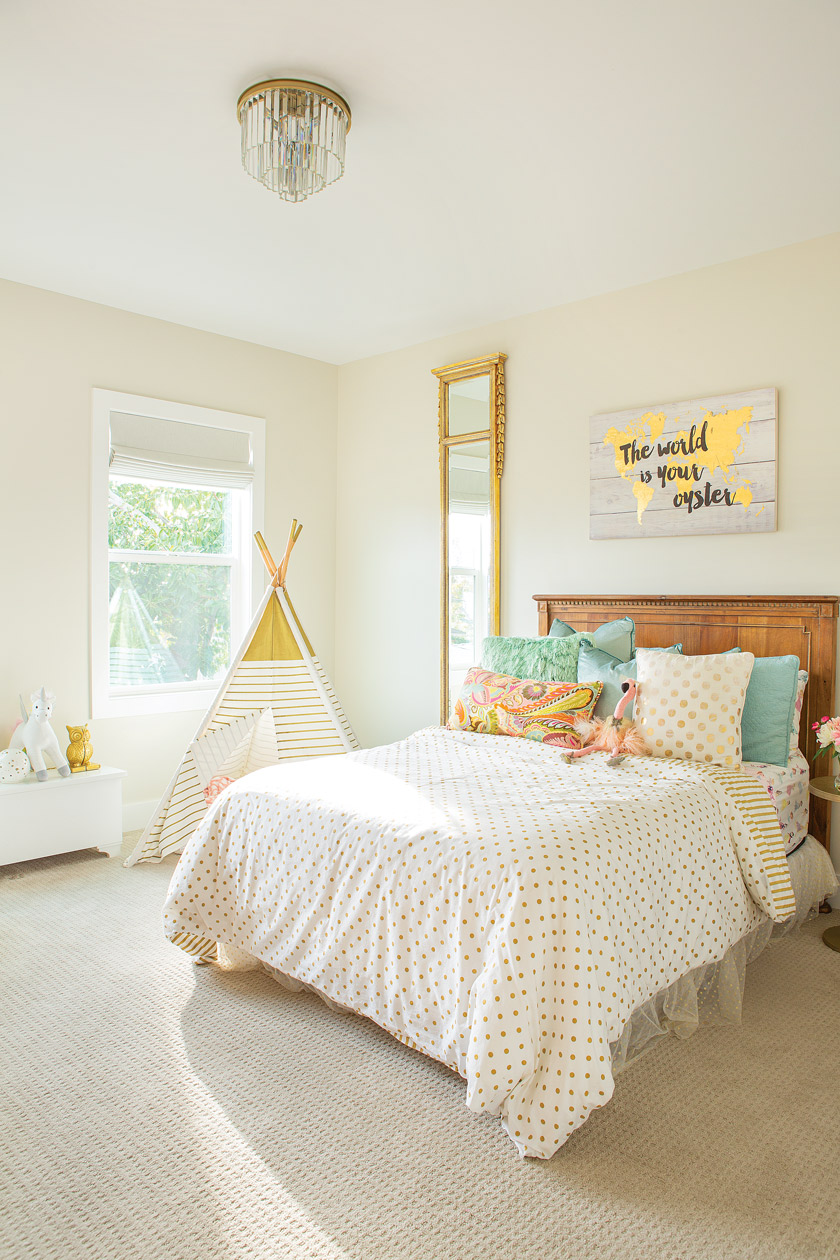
(153, 1109)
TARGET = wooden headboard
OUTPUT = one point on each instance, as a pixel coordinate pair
(800, 625)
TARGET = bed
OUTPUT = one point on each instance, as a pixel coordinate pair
(513, 917)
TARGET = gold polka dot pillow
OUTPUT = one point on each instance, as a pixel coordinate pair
(690, 706)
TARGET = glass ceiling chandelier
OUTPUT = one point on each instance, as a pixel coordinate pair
(293, 136)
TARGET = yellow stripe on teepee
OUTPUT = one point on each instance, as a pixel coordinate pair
(273, 640)
(310, 649)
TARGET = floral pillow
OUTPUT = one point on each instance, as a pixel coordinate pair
(801, 683)
(498, 704)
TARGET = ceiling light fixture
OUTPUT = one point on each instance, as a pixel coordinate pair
(293, 136)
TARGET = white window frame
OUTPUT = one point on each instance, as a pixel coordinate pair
(249, 504)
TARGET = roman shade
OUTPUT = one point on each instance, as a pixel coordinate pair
(176, 451)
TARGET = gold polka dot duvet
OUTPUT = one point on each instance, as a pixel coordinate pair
(485, 902)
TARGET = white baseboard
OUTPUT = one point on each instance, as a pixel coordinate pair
(135, 814)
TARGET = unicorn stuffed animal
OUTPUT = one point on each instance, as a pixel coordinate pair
(37, 736)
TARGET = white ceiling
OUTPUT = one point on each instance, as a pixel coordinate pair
(504, 157)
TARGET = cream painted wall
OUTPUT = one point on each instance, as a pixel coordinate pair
(53, 351)
(367, 564)
(771, 319)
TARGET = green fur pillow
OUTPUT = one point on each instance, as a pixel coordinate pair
(543, 659)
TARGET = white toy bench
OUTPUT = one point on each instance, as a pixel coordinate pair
(61, 815)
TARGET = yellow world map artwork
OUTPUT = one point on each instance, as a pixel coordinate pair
(683, 462)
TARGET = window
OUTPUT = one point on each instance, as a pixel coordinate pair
(177, 494)
(469, 548)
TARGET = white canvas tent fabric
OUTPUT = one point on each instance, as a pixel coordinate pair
(276, 704)
(249, 743)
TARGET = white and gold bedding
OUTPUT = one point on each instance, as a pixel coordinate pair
(787, 787)
(486, 903)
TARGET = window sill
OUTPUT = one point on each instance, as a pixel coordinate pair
(145, 703)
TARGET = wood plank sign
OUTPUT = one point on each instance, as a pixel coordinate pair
(706, 466)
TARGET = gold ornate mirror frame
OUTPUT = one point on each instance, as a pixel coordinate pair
(471, 433)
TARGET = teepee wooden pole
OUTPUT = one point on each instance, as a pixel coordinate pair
(265, 553)
(294, 535)
(268, 559)
(278, 571)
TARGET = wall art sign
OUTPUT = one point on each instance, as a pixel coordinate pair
(706, 466)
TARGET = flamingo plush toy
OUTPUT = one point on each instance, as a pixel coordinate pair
(617, 735)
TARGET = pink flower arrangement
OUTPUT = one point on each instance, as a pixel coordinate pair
(828, 736)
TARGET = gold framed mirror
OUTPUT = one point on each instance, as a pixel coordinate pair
(471, 430)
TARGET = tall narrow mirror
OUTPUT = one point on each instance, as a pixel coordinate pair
(471, 416)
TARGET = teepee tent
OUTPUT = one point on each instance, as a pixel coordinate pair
(276, 704)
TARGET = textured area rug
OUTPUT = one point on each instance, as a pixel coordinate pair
(154, 1109)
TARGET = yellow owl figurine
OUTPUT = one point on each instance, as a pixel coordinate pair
(80, 749)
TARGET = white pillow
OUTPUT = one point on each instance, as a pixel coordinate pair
(690, 706)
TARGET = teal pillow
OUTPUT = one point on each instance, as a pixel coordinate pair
(768, 709)
(597, 666)
(616, 637)
(542, 660)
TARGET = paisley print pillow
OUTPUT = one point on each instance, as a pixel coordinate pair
(498, 704)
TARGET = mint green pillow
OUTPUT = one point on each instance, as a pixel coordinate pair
(597, 666)
(768, 709)
(543, 659)
(616, 637)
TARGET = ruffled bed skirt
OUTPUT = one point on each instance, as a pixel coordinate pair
(714, 993)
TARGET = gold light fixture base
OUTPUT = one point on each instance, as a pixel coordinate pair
(300, 85)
